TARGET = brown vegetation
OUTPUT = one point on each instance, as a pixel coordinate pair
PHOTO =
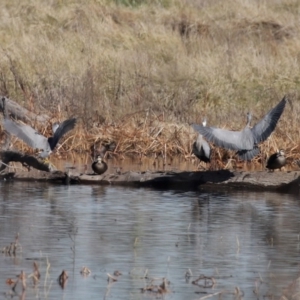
(163, 288)
(138, 72)
(13, 247)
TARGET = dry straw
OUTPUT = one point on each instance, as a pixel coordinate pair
(138, 72)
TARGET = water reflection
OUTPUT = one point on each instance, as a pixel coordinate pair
(82, 163)
(241, 239)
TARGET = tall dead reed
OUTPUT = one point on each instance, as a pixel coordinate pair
(113, 62)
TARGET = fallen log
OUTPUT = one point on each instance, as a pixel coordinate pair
(287, 182)
(27, 161)
(184, 180)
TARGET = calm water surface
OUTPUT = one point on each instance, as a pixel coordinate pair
(241, 239)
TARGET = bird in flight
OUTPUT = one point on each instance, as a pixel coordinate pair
(33, 138)
(245, 141)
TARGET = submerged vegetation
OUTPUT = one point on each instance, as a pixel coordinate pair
(139, 72)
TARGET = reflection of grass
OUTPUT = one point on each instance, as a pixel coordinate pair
(105, 61)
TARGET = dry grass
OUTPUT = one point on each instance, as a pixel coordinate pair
(113, 62)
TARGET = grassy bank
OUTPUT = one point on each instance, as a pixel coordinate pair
(130, 69)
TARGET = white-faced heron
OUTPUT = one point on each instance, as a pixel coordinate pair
(247, 140)
(201, 148)
(33, 138)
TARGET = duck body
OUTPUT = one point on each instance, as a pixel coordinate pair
(276, 160)
(99, 166)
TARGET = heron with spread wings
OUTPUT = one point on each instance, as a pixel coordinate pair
(245, 141)
(201, 148)
(33, 138)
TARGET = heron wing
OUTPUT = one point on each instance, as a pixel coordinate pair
(263, 129)
(206, 150)
(234, 140)
(61, 130)
(26, 133)
(248, 154)
(201, 149)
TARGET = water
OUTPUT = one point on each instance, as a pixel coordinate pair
(241, 239)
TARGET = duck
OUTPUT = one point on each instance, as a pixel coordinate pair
(276, 160)
(99, 166)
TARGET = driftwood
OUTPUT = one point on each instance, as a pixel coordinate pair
(260, 180)
(26, 160)
(20, 113)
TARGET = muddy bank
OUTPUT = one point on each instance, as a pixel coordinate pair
(223, 179)
(38, 170)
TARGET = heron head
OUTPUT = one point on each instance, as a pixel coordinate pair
(281, 152)
(204, 122)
